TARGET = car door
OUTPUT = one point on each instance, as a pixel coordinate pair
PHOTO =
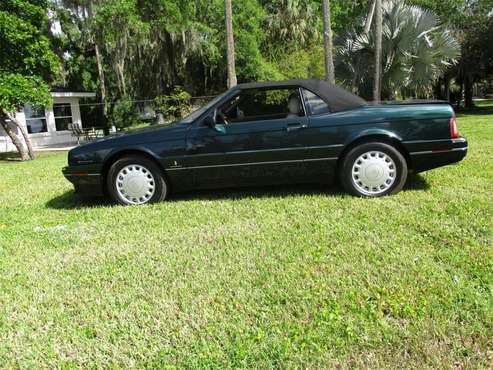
(261, 141)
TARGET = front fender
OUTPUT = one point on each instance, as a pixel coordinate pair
(129, 149)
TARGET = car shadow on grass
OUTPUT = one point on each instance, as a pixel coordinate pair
(72, 200)
(9, 157)
(416, 181)
(270, 191)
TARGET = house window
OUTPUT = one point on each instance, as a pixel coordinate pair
(35, 119)
(63, 116)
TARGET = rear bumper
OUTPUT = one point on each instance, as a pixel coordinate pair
(428, 154)
(87, 179)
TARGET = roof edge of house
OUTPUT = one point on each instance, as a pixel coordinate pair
(69, 94)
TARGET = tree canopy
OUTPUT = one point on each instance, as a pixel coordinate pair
(27, 62)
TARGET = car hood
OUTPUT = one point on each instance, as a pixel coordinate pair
(143, 135)
(152, 134)
(145, 131)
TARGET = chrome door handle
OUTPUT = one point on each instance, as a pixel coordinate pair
(194, 146)
(296, 126)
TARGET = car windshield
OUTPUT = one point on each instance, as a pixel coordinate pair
(197, 113)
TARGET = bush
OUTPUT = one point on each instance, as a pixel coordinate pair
(124, 114)
(175, 105)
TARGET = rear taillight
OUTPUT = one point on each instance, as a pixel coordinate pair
(453, 128)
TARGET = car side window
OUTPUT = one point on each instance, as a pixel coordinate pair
(263, 104)
(315, 104)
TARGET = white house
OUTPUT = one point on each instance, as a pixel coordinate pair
(50, 126)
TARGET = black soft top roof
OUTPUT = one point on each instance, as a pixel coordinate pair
(336, 98)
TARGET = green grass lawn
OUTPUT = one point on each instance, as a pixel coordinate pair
(274, 277)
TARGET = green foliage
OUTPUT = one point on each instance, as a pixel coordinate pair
(16, 90)
(416, 51)
(150, 46)
(477, 42)
(452, 12)
(304, 63)
(124, 113)
(472, 24)
(247, 23)
(291, 25)
(26, 58)
(174, 105)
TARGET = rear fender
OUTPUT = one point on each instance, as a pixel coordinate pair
(378, 135)
(372, 133)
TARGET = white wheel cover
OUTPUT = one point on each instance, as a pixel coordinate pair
(135, 184)
(373, 173)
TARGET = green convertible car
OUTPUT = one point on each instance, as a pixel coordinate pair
(294, 131)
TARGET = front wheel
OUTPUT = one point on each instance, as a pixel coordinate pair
(374, 170)
(136, 180)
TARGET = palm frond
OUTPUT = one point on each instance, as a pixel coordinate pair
(416, 51)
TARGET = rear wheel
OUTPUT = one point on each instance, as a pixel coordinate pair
(136, 180)
(373, 170)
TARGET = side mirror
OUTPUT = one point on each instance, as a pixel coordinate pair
(220, 128)
(214, 123)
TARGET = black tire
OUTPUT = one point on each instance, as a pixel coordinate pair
(346, 170)
(159, 182)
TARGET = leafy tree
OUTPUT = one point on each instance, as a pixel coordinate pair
(471, 22)
(26, 63)
(142, 48)
(451, 12)
(79, 48)
(121, 34)
(291, 25)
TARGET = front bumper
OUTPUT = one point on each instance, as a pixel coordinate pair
(428, 154)
(87, 179)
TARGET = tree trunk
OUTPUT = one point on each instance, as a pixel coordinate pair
(329, 58)
(25, 135)
(171, 54)
(446, 88)
(230, 44)
(437, 89)
(377, 83)
(468, 91)
(99, 62)
(102, 84)
(13, 136)
(369, 19)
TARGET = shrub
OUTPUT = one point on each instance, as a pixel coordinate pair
(124, 114)
(175, 105)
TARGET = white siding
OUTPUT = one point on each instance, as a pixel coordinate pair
(52, 137)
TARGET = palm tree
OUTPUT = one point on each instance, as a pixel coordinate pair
(377, 82)
(329, 60)
(230, 44)
(416, 51)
